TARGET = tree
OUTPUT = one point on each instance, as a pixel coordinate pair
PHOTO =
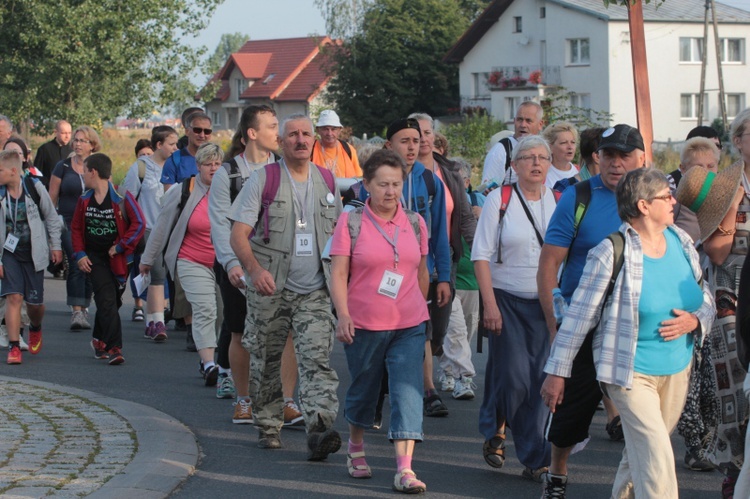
(91, 60)
(228, 45)
(392, 65)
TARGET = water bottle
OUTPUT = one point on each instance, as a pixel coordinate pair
(559, 304)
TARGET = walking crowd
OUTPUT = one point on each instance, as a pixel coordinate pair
(605, 282)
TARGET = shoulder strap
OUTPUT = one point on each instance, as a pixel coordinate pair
(271, 187)
(347, 148)
(618, 245)
(583, 199)
(354, 224)
(141, 170)
(235, 178)
(429, 181)
(31, 189)
(508, 150)
(187, 188)
(414, 221)
(506, 191)
(330, 180)
(526, 210)
(557, 195)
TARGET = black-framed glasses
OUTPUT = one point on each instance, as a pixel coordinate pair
(198, 130)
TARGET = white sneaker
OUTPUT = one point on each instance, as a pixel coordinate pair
(464, 388)
(447, 382)
(3, 336)
(22, 344)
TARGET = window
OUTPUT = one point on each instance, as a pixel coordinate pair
(691, 49)
(240, 86)
(689, 106)
(215, 118)
(578, 51)
(732, 50)
(517, 24)
(511, 105)
(542, 12)
(735, 104)
(479, 85)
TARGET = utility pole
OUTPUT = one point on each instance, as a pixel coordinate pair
(704, 61)
(640, 76)
(717, 42)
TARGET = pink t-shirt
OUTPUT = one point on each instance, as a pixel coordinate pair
(196, 245)
(373, 255)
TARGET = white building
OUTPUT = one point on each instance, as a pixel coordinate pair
(585, 47)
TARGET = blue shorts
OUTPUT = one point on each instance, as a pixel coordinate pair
(20, 278)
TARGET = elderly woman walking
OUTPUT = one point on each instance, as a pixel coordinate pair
(379, 285)
(509, 239)
(643, 325)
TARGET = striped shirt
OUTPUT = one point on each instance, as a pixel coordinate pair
(616, 335)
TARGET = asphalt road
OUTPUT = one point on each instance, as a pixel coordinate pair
(165, 377)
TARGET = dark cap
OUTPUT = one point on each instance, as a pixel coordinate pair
(704, 131)
(624, 138)
(401, 124)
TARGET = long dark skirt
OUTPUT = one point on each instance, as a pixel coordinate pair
(514, 377)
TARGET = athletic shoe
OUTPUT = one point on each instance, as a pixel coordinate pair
(156, 331)
(243, 412)
(14, 355)
(211, 375)
(434, 407)
(137, 315)
(78, 321)
(320, 445)
(4, 342)
(695, 459)
(115, 356)
(225, 387)
(447, 382)
(21, 343)
(554, 486)
(464, 389)
(537, 475)
(269, 441)
(99, 348)
(35, 341)
(292, 416)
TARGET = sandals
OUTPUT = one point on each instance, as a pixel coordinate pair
(614, 429)
(406, 481)
(493, 450)
(357, 465)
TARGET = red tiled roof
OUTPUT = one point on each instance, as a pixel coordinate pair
(291, 69)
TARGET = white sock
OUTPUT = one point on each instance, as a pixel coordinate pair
(208, 365)
(149, 318)
(158, 317)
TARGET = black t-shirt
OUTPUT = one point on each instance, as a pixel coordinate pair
(17, 223)
(101, 228)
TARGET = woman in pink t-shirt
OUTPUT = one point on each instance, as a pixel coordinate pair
(379, 284)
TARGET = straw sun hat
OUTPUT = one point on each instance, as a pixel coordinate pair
(709, 195)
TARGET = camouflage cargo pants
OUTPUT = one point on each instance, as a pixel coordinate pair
(267, 325)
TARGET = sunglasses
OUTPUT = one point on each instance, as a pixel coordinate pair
(198, 130)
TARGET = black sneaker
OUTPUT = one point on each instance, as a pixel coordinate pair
(695, 459)
(554, 486)
(434, 407)
(320, 445)
(210, 375)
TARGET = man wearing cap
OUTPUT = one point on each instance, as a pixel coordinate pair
(573, 401)
(529, 120)
(330, 151)
(424, 193)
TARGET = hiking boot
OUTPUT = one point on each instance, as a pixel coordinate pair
(35, 341)
(292, 416)
(695, 459)
(320, 445)
(243, 412)
(115, 357)
(554, 486)
(269, 441)
(137, 315)
(189, 341)
(225, 387)
(447, 382)
(434, 407)
(99, 348)
(464, 388)
(211, 375)
(14, 355)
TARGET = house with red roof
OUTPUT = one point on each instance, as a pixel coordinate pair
(287, 74)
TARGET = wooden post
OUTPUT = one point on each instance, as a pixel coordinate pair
(704, 61)
(640, 76)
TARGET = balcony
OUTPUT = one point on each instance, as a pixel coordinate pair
(523, 77)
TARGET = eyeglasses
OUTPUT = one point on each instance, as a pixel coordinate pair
(81, 141)
(199, 130)
(534, 158)
(665, 197)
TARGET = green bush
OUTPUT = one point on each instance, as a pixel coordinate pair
(468, 138)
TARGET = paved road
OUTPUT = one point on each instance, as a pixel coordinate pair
(165, 377)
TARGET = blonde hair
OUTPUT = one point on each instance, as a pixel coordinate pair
(698, 145)
(552, 131)
(91, 136)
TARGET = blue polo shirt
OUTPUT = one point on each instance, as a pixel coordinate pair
(178, 167)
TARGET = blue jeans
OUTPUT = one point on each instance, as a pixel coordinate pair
(78, 285)
(401, 352)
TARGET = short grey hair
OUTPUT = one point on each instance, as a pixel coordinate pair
(642, 183)
(294, 117)
(740, 124)
(539, 108)
(365, 151)
(198, 115)
(529, 142)
(699, 145)
(464, 167)
(208, 153)
(7, 120)
(423, 117)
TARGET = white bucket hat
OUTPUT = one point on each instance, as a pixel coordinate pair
(329, 118)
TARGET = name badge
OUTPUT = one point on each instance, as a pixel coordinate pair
(390, 284)
(303, 245)
(10, 243)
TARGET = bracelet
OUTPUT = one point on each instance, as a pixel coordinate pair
(726, 232)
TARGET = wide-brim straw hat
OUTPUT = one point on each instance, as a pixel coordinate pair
(709, 195)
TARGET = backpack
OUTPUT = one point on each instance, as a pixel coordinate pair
(30, 188)
(352, 195)
(141, 176)
(235, 176)
(271, 188)
(508, 146)
(187, 188)
(354, 224)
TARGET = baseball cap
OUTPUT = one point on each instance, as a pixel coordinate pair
(402, 124)
(622, 137)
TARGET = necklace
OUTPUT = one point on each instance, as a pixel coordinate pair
(656, 248)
